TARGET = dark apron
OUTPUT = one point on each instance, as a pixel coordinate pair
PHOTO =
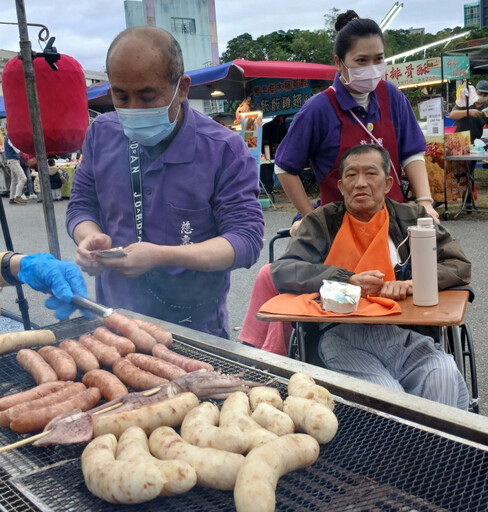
(189, 298)
(352, 134)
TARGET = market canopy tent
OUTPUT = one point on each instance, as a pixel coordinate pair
(99, 95)
(478, 56)
(235, 78)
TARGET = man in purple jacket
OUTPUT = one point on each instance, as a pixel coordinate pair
(175, 188)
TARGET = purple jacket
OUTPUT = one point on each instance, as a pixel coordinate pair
(315, 131)
(204, 185)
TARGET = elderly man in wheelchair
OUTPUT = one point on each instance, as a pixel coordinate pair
(334, 242)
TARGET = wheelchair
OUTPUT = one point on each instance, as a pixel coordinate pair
(457, 340)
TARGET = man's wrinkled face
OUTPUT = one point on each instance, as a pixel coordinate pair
(364, 184)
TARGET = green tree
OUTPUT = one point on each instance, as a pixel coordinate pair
(241, 47)
(291, 45)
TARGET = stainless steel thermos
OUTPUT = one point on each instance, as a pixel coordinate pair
(423, 250)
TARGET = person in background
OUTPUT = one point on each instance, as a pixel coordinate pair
(56, 177)
(17, 176)
(176, 189)
(359, 108)
(24, 157)
(46, 274)
(355, 241)
(477, 119)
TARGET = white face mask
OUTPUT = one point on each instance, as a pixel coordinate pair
(366, 78)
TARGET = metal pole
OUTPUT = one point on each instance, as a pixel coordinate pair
(446, 214)
(21, 300)
(37, 133)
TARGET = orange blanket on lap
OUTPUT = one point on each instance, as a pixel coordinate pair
(306, 305)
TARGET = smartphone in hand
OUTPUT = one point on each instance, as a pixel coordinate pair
(114, 252)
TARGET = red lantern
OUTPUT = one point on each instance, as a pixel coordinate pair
(62, 101)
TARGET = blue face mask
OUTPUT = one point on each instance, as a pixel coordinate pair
(148, 126)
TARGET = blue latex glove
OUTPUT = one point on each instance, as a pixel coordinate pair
(44, 273)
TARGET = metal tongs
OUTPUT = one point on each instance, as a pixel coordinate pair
(91, 305)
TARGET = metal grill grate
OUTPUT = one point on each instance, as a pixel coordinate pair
(10, 499)
(375, 463)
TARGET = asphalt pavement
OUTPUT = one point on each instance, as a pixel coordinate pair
(28, 232)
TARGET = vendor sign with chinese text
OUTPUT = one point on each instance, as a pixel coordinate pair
(280, 96)
(428, 70)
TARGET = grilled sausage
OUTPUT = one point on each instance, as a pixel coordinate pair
(134, 377)
(62, 363)
(31, 394)
(106, 355)
(156, 366)
(84, 358)
(33, 363)
(158, 333)
(70, 389)
(143, 341)
(109, 384)
(11, 341)
(26, 422)
(123, 345)
(187, 363)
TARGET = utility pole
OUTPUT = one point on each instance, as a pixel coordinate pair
(37, 133)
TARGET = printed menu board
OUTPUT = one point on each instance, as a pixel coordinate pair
(452, 144)
(252, 132)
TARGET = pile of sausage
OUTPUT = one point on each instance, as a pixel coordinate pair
(124, 353)
(245, 446)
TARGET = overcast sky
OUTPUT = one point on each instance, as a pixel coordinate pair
(85, 28)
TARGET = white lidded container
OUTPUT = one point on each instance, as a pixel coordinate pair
(423, 250)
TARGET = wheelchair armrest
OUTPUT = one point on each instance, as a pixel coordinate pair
(467, 288)
(281, 233)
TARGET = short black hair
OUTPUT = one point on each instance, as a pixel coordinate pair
(171, 55)
(51, 162)
(351, 27)
(366, 148)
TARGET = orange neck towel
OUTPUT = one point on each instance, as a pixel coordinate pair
(361, 246)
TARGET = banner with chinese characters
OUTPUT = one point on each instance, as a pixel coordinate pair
(427, 70)
(280, 96)
(451, 144)
(252, 133)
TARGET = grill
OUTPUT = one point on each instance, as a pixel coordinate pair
(375, 463)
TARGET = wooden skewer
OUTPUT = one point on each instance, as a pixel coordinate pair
(27, 440)
(35, 437)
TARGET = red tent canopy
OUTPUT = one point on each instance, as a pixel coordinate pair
(285, 69)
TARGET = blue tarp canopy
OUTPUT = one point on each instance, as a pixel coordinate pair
(2, 107)
(99, 95)
(97, 90)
